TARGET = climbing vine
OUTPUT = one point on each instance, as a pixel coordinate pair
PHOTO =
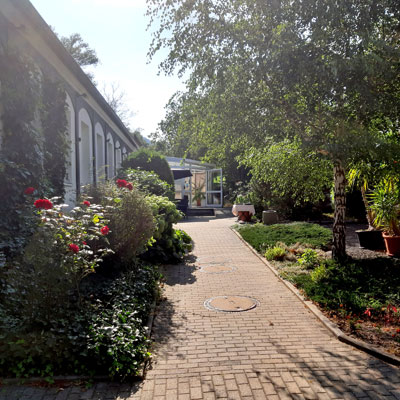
(56, 143)
(33, 126)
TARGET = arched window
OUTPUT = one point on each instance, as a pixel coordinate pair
(124, 153)
(100, 153)
(110, 157)
(85, 148)
(118, 155)
(70, 176)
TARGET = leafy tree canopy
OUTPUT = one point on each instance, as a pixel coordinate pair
(321, 72)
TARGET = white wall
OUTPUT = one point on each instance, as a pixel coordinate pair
(70, 178)
(110, 156)
(85, 148)
(118, 155)
(100, 152)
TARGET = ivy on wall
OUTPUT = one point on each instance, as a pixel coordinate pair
(56, 141)
(33, 143)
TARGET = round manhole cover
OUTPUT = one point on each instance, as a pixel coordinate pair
(231, 303)
(217, 269)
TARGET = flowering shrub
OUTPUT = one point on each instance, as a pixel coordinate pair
(131, 223)
(79, 236)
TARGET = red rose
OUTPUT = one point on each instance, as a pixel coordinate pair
(129, 186)
(86, 203)
(121, 182)
(84, 243)
(104, 230)
(74, 247)
(29, 190)
(43, 203)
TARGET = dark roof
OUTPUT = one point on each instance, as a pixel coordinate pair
(51, 39)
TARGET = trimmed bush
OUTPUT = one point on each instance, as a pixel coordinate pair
(150, 160)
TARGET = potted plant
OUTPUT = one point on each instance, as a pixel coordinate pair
(363, 174)
(385, 199)
(199, 195)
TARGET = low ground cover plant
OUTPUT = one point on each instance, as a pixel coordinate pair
(361, 295)
(262, 236)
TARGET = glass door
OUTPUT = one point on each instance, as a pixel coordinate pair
(214, 188)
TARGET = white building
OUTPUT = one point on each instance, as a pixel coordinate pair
(99, 140)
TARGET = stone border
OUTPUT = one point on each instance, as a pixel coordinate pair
(332, 328)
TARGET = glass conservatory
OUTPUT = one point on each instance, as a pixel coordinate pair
(200, 183)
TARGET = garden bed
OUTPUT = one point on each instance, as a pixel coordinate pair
(362, 296)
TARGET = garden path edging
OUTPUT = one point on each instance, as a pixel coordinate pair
(332, 328)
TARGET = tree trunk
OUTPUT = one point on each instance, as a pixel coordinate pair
(339, 227)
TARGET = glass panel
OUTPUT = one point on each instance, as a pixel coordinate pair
(214, 199)
(214, 180)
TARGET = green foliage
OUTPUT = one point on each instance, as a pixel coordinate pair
(354, 286)
(56, 143)
(263, 236)
(79, 50)
(272, 165)
(118, 337)
(309, 259)
(264, 71)
(275, 253)
(104, 335)
(131, 219)
(33, 152)
(148, 182)
(149, 160)
(385, 203)
(169, 245)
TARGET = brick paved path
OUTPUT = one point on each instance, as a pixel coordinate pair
(278, 350)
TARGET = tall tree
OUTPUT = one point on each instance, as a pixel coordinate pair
(322, 71)
(83, 54)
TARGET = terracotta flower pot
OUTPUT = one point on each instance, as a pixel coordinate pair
(244, 216)
(392, 244)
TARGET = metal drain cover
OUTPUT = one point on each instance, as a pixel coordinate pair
(217, 269)
(231, 303)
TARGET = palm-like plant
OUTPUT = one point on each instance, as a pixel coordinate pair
(385, 201)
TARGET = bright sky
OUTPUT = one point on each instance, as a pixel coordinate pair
(116, 30)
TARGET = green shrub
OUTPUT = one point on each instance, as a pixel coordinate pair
(131, 219)
(148, 182)
(169, 244)
(104, 335)
(356, 285)
(263, 236)
(309, 259)
(117, 335)
(275, 253)
(150, 160)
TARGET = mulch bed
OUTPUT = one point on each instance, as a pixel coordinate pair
(377, 333)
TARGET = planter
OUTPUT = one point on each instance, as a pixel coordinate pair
(392, 244)
(371, 240)
(244, 216)
(269, 217)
